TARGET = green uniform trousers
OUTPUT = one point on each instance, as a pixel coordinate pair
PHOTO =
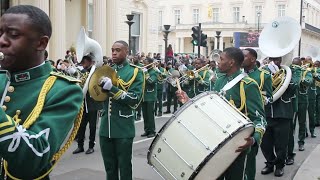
(236, 170)
(290, 153)
(172, 97)
(138, 110)
(317, 121)
(251, 163)
(302, 116)
(276, 139)
(117, 155)
(148, 117)
(312, 114)
(158, 104)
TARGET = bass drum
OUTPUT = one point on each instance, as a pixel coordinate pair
(200, 139)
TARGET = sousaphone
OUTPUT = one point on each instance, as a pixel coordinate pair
(85, 46)
(278, 39)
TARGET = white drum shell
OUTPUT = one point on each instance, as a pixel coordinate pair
(200, 140)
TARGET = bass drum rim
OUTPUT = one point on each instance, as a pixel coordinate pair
(213, 152)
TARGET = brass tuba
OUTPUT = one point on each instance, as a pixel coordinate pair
(86, 45)
(278, 39)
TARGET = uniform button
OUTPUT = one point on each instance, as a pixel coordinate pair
(4, 107)
(18, 112)
(7, 99)
(11, 89)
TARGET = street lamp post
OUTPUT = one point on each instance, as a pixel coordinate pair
(166, 32)
(259, 14)
(218, 38)
(130, 22)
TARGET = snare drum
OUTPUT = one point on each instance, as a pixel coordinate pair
(200, 139)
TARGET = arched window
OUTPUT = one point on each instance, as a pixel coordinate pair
(4, 5)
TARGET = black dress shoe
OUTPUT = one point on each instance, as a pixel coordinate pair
(78, 150)
(159, 114)
(90, 151)
(278, 172)
(317, 125)
(289, 161)
(307, 135)
(144, 134)
(167, 112)
(267, 170)
(301, 147)
(313, 135)
(151, 135)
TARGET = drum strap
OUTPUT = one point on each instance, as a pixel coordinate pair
(232, 83)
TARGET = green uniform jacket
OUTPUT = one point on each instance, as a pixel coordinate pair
(253, 107)
(264, 81)
(317, 81)
(172, 89)
(312, 91)
(306, 82)
(201, 83)
(283, 107)
(161, 76)
(150, 91)
(296, 72)
(29, 151)
(118, 119)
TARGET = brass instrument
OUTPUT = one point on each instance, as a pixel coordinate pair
(151, 64)
(191, 74)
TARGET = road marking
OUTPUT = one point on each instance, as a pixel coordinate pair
(142, 140)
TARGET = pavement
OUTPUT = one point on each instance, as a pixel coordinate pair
(90, 167)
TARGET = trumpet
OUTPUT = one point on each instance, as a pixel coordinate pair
(191, 74)
(151, 64)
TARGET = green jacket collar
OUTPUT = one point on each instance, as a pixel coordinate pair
(234, 75)
(32, 73)
(120, 66)
(252, 70)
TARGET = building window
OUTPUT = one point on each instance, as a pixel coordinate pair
(177, 16)
(160, 18)
(281, 10)
(236, 14)
(90, 19)
(195, 16)
(215, 14)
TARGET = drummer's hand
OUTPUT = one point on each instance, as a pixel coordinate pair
(250, 142)
(105, 83)
(182, 96)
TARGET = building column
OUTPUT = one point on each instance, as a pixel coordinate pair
(221, 43)
(58, 38)
(44, 5)
(215, 42)
(100, 23)
(112, 20)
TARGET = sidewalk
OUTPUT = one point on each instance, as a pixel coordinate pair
(310, 169)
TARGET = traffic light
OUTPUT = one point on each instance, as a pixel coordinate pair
(203, 40)
(195, 35)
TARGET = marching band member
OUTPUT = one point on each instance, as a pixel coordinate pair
(244, 94)
(317, 71)
(136, 61)
(264, 80)
(117, 128)
(213, 73)
(40, 106)
(276, 136)
(306, 81)
(90, 114)
(150, 97)
(312, 93)
(201, 82)
(162, 74)
(171, 93)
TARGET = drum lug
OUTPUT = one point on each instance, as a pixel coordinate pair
(182, 174)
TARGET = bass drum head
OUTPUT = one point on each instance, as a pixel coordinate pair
(219, 161)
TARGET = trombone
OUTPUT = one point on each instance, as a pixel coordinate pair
(191, 74)
(151, 64)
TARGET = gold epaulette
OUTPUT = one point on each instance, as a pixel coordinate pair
(265, 71)
(65, 77)
(248, 80)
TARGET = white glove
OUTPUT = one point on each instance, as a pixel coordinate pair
(196, 75)
(273, 67)
(157, 69)
(106, 83)
(145, 70)
(71, 70)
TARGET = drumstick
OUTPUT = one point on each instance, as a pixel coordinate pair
(178, 85)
